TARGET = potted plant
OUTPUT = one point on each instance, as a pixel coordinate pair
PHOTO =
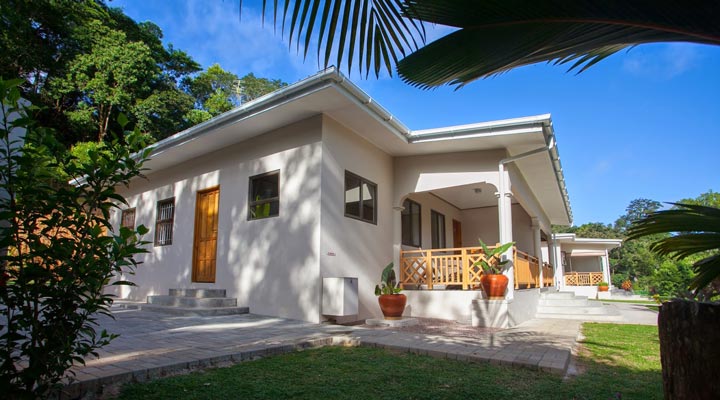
(626, 285)
(493, 281)
(392, 302)
(603, 287)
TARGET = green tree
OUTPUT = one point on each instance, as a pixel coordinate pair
(596, 230)
(47, 43)
(61, 249)
(250, 87)
(213, 89)
(109, 78)
(636, 210)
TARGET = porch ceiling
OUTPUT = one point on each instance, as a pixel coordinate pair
(469, 196)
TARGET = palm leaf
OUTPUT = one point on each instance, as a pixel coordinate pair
(697, 231)
(384, 34)
(496, 36)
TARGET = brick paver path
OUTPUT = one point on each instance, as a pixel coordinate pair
(153, 344)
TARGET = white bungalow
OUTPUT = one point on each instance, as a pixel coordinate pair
(317, 180)
(584, 262)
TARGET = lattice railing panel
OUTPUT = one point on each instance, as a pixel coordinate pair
(583, 278)
(452, 266)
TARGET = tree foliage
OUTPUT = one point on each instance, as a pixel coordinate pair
(60, 249)
(87, 63)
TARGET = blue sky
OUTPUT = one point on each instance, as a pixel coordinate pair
(643, 123)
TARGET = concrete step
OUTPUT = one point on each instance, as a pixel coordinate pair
(198, 293)
(560, 295)
(194, 312)
(593, 308)
(582, 317)
(576, 302)
(192, 302)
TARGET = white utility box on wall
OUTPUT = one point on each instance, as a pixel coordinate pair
(340, 296)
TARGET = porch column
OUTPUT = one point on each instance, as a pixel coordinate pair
(505, 234)
(606, 268)
(552, 260)
(397, 237)
(538, 246)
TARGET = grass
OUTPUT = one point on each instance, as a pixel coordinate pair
(620, 359)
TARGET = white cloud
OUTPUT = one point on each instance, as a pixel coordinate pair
(663, 61)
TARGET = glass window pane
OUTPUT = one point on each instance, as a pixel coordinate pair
(368, 195)
(264, 199)
(410, 217)
(352, 195)
(265, 187)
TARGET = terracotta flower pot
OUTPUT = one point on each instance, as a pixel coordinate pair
(392, 305)
(494, 285)
(603, 288)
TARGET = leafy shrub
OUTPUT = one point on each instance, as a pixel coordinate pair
(60, 249)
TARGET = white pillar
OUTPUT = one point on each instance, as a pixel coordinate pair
(537, 246)
(397, 237)
(505, 234)
(606, 268)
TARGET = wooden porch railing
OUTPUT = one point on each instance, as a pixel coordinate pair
(527, 270)
(457, 267)
(548, 275)
(583, 278)
(453, 266)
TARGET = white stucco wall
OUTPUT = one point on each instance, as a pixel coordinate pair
(270, 265)
(428, 202)
(587, 264)
(480, 223)
(522, 230)
(349, 247)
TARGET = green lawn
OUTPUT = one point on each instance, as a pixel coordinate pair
(617, 359)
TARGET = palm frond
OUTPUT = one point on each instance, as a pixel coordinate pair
(497, 35)
(697, 231)
(378, 32)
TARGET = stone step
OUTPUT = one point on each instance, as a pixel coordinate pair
(192, 302)
(592, 309)
(576, 302)
(560, 295)
(582, 317)
(198, 293)
(194, 312)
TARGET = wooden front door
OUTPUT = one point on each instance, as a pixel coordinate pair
(457, 234)
(206, 230)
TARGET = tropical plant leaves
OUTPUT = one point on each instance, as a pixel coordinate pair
(698, 232)
(378, 33)
(497, 36)
(494, 36)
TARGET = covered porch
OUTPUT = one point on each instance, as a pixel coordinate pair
(459, 269)
(584, 262)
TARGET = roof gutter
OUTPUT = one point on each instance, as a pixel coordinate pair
(551, 149)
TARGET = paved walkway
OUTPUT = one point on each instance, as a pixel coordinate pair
(635, 313)
(153, 344)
